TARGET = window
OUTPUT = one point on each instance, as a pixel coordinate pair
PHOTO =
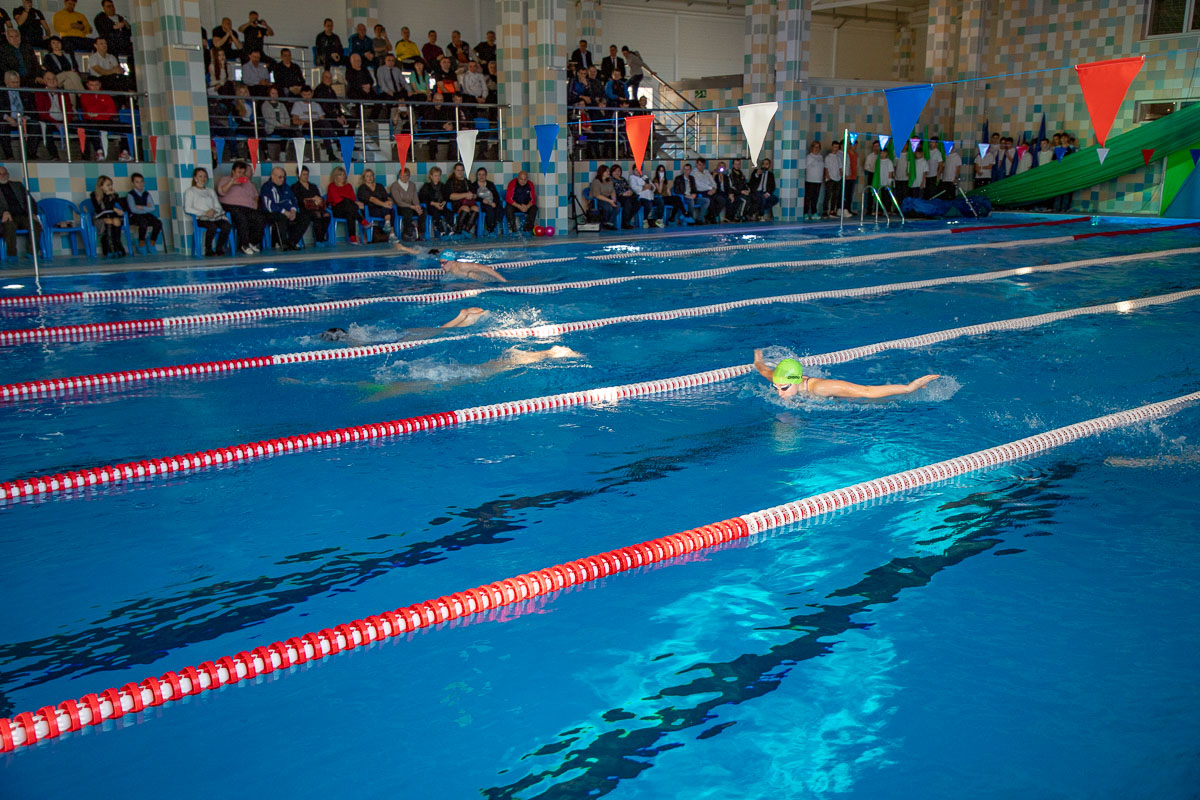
(1150, 111)
(1173, 17)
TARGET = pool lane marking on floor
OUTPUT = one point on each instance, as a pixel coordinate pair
(161, 325)
(1011, 225)
(109, 380)
(130, 471)
(49, 722)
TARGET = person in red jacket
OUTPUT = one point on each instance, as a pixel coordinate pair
(521, 197)
(99, 114)
(50, 106)
(342, 203)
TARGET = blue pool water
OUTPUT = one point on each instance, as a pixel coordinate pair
(1027, 631)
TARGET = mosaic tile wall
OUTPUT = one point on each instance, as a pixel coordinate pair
(364, 11)
(590, 27)
(902, 55)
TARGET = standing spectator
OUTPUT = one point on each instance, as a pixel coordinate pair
(662, 185)
(581, 58)
(390, 80)
(328, 47)
(520, 198)
(684, 187)
(276, 124)
(651, 203)
(14, 212)
(637, 70)
(12, 107)
(485, 51)
(287, 219)
(51, 105)
(462, 196)
(360, 43)
(239, 197)
(360, 86)
(143, 213)
(887, 172)
(933, 167)
(625, 196)
(489, 200)
(255, 74)
(604, 197)
(430, 51)
(707, 188)
(202, 203)
(98, 113)
(983, 167)
(114, 29)
(950, 167)
(870, 167)
(1024, 159)
(105, 66)
(407, 52)
(901, 174)
(436, 200)
(459, 51)
(920, 173)
(309, 117)
(255, 31)
(311, 201)
(289, 77)
(342, 203)
(224, 38)
(404, 197)
(741, 190)
(73, 28)
(381, 43)
(16, 56)
(851, 175)
(762, 190)
(474, 83)
(376, 203)
(814, 172)
(108, 217)
(62, 65)
(32, 24)
(613, 63)
(834, 206)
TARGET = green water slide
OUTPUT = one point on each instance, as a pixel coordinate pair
(1082, 170)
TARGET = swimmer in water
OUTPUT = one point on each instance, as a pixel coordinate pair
(463, 269)
(510, 360)
(788, 379)
(465, 319)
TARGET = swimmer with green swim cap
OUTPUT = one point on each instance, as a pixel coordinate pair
(450, 263)
(788, 379)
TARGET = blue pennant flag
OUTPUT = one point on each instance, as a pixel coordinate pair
(547, 142)
(904, 106)
(1059, 152)
(853, 138)
(1195, 157)
(219, 143)
(347, 145)
(129, 141)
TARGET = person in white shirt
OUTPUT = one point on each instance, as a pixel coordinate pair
(202, 202)
(901, 176)
(1025, 160)
(706, 186)
(834, 206)
(983, 168)
(950, 174)
(916, 184)
(887, 173)
(474, 83)
(652, 204)
(933, 169)
(814, 173)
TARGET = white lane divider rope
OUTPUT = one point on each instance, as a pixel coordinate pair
(48, 722)
(135, 470)
(160, 325)
(627, 251)
(39, 388)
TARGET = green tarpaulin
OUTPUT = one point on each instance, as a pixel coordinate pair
(1083, 170)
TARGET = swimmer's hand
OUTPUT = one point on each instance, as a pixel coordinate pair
(559, 351)
(761, 366)
(921, 382)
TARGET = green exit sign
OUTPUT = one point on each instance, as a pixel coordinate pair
(701, 93)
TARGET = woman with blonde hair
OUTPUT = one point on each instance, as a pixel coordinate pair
(342, 202)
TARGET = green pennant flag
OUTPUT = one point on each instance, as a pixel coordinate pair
(875, 176)
(1179, 166)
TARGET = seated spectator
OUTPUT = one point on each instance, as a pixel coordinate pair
(521, 198)
(437, 121)
(226, 38)
(651, 203)
(73, 28)
(493, 81)
(52, 105)
(342, 202)
(614, 90)
(707, 188)
(289, 76)
(390, 80)
(255, 74)
(462, 197)
(613, 63)
(489, 200)
(663, 186)
(762, 190)
(12, 107)
(377, 206)
(108, 217)
(485, 52)
(32, 24)
(436, 200)
(625, 196)
(335, 116)
(419, 83)
(105, 66)
(243, 118)
(361, 44)
(98, 113)
(239, 197)
(284, 214)
(595, 86)
(276, 124)
(115, 29)
(220, 74)
(685, 188)
(309, 116)
(407, 52)
(308, 194)
(604, 197)
(62, 65)
(430, 51)
(474, 83)
(446, 78)
(360, 86)
(381, 43)
(406, 202)
(255, 31)
(725, 195)
(577, 89)
(328, 47)
(17, 56)
(459, 52)
(143, 213)
(202, 203)
(15, 206)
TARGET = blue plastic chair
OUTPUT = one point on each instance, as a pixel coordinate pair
(42, 245)
(686, 213)
(331, 232)
(57, 210)
(198, 234)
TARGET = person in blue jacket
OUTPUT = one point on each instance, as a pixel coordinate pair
(287, 218)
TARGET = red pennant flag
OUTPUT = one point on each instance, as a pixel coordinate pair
(403, 145)
(153, 148)
(637, 130)
(1021, 150)
(1104, 85)
(252, 145)
(82, 139)
(1147, 154)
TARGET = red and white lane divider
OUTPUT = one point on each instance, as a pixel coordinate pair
(98, 330)
(51, 721)
(203, 459)
(1069, 221)
(107, 380)
(1137, 231)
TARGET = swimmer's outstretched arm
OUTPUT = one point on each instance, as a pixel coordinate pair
(403, 248)
(761, 366)
(482, 272)
(824, 387)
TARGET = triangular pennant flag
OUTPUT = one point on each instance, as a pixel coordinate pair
(82, 139)
(983, 148)
(1104, 85)
(914, 143)
(403, 145)
(129, 143)
(756, 119)
(1102, 152)
(153, 149)
(637, 131)
(547, 142)
(1021, 150)
(466, 148)
(1059, 152)
(948, 146)
(1147, 154)
(1195, 157)
(298, 143)
(252, 146)
(219, 145)
(853, 138)
(346, 143)
(905, 106)
(883, 140)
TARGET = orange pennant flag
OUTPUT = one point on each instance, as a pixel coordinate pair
(637, 130)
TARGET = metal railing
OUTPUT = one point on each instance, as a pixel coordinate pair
(675, 134)
(71, 118)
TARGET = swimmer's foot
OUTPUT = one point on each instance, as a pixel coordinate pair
(516, 356)
(922, 381)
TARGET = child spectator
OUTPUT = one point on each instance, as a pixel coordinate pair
(108, 217)
(143, 213)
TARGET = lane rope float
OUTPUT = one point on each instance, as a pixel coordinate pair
(1137, 231)
(98, 330)
(1020, 225)
(49, 722)
(108, 380)
(202, 459)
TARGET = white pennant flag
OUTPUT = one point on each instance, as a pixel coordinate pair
(298, 143)
(883, 140)
(1102, 152)
(983, 148)
(466, 149)
(756, 118)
